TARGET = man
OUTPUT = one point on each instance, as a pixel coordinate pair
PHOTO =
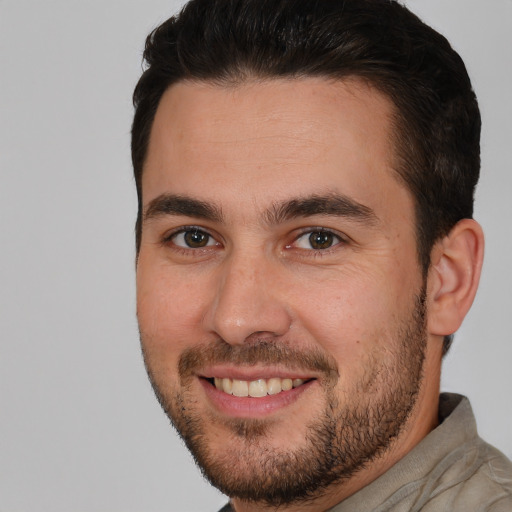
(306, 249)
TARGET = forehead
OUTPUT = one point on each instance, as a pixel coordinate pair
(271, 138)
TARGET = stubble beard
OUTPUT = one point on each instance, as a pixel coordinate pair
(338, 443)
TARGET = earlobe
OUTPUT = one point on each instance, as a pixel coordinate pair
(453, 276)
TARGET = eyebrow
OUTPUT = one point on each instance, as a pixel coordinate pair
(333, 204)
(170, 204)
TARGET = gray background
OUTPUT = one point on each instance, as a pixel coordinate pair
(80, 429)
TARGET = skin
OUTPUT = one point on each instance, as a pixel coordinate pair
(242, 150)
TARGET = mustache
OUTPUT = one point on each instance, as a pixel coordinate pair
(257, 352)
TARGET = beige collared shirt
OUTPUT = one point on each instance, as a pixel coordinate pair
(451, 470)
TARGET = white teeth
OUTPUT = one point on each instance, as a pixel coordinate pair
(240, 388)
(286, 384)
(226, 386)
(256, 388)
(274, 386)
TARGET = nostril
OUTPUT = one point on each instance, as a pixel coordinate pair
(261, 337)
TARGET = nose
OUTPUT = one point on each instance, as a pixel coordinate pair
(249, 301)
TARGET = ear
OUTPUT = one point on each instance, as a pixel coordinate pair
(456, 264)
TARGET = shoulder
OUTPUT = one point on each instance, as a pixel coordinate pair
(497, 471)
(503, 505)
(486, 485)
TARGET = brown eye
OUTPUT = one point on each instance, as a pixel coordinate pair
(321, 239)
(196, 239)
(193, 239)
(317, 240)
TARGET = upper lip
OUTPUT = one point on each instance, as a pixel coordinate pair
(251, 373)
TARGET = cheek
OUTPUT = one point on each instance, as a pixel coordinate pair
(169, 309)
(352, 316)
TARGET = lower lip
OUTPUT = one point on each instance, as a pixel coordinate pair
(249, 407)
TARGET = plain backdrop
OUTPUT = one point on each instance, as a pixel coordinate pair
(80, 429)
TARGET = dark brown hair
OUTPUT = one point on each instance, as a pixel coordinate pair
(437, 121)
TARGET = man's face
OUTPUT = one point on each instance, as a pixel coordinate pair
(278, 260)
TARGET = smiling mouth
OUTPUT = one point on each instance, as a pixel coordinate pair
(255, 388)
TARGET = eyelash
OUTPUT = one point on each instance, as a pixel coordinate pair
(168, 239)
(338, 239)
